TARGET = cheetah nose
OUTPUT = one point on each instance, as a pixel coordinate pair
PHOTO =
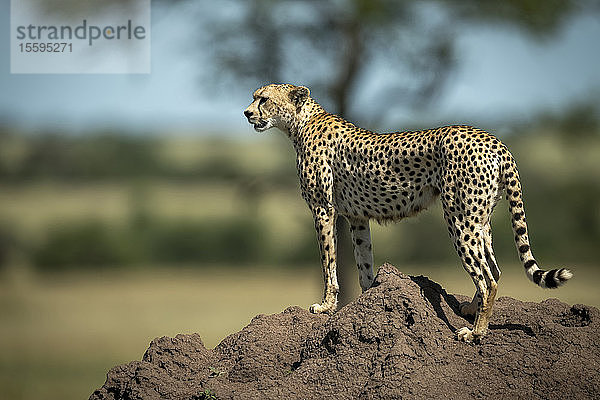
(248, 114)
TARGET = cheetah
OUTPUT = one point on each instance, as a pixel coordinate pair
(361, 175)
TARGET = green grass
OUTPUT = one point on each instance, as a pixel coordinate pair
(61, 333)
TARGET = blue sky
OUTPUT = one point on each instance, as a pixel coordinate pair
(501, 75)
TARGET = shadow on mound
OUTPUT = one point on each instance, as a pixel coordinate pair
(395, 341)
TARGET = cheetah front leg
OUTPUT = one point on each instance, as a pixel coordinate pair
(363, 250)
(325, 226)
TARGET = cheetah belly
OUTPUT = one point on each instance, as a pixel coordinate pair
(372, 197)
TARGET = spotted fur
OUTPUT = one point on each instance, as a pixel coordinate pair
(361, 175)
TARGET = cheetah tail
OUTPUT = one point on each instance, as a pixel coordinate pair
(545, 279)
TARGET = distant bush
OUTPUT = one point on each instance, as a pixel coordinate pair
(81, 244)
(224, 240)
(96, 157)
(111, 156)
(93, 243)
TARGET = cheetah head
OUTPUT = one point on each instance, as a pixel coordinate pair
(276, 106)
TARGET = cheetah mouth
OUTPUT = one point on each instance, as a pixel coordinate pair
(260, 125)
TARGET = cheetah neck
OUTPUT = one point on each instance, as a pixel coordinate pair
(301, 119)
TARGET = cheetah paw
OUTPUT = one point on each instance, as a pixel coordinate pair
(316, 308)
(320, 309)
(465, 335)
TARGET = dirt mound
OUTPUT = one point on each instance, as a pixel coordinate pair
(395, 341)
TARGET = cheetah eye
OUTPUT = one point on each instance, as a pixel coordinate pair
(262, 101)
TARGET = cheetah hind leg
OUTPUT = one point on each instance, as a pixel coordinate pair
(363, 250)
(469, 309)
(483, 278)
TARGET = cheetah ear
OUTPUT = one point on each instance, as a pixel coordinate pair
(298, 96)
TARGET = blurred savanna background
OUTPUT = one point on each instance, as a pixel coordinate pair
(137, 206)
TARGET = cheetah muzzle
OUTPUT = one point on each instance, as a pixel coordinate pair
(348, 171)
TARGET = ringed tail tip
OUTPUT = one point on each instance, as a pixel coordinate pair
(564, 275)
(553, 278)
